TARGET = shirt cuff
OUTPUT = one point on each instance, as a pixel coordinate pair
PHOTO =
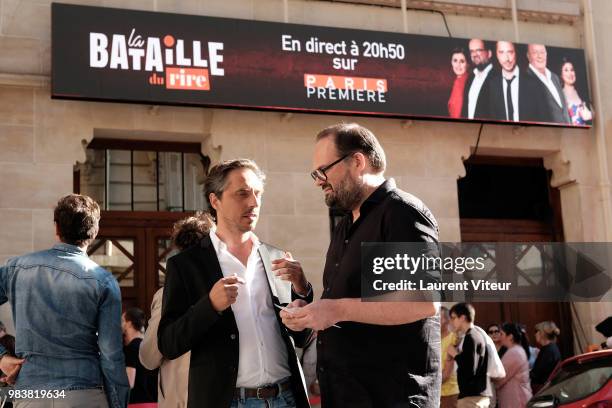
(308, 292)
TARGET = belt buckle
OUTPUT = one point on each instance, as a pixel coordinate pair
(257, 393)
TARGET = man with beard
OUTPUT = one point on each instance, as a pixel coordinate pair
(481, 60)
(385, 354)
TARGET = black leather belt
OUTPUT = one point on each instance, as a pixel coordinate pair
(269, 391)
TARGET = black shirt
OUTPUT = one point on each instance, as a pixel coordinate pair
(145, 384)
(545, 363)
(378, 363)
(472, 363)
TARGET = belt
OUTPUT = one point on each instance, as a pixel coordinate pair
(268, 391)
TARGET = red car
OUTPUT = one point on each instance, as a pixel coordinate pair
(584, 381)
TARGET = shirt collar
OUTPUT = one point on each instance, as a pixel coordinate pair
(378, 195)
(73, 249)
(219, 245)
(516, 71)
(545, 76)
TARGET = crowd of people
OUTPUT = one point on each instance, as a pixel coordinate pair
(224, 329)
(490, 84)
(496, 368)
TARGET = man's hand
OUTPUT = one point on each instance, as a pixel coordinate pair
(224, 292)
(318, 315)
(452, 351)
(10, 366)
(288, 317)
(289, 269)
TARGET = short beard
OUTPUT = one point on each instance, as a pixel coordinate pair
(481, 67)
(346, 196)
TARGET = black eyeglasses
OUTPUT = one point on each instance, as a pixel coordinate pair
(493, 331)
(320, 172)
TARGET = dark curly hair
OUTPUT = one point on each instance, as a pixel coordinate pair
(77, 218)
(136, 317)
(188, 232)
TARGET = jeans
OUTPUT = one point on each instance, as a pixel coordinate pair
(284, 400)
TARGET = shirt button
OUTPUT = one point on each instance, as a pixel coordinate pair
(321, 369)
(233, 336)
(327, 289)
(346, 241)
(319, 342)
(337, 265)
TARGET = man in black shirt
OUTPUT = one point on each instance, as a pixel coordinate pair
(471, 356)
(385, 354)
(143, 382)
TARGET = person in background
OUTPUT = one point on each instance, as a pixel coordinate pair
(533, 351)
(61, 291)
(494, 332)
(577, 108)
(8, 342)
(142, 381)
(549, 355)
(460, 66)
(514, 390)
(450, 388)
(173, 374)
(472, 358)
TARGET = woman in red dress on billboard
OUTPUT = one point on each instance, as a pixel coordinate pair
(460, 66)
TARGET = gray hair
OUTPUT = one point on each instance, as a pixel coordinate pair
(216, 180)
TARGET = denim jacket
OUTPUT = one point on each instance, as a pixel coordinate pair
(67, 314)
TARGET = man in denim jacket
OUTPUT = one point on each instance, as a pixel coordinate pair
(67, 314)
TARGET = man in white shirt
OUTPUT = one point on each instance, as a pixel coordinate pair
(549, 84)
(221, 302)
(481, 60)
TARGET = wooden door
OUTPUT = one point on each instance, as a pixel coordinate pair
(527, 313)
(134, 246)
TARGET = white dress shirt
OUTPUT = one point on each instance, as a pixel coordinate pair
(546, 79)
(479, 78)
(263, 357)
(514, 94)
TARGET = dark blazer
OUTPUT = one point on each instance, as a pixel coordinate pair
(480, 110)
(530, 107)
(551, 112)
(189, 323)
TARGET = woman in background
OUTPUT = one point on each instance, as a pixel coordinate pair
(549, 356)
(459, 64)
(173, 380)
(514, 390)
(578, 109)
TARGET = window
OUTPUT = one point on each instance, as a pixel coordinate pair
(126, 175)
